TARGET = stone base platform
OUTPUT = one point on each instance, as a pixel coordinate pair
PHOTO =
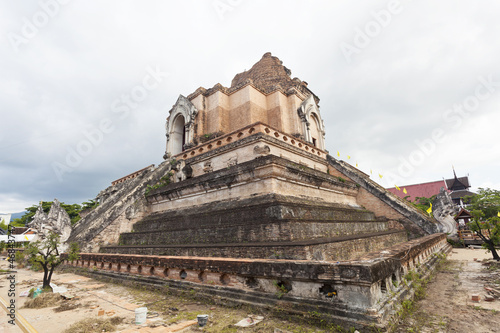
(269, 226)
(360, 293)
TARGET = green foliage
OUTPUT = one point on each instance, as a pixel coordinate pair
(4, 225)
(72, 210)
(485, 208)
(20, 257)
(26, 218)
(74, 252)
(91, 204)
(207, 137)
(46, 254)
(164, 181)
(423, 203)
(282, 289)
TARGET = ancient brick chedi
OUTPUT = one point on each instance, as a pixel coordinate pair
(249, 206)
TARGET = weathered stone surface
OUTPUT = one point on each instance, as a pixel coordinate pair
(268, 75)
(444, 211)
(249, 203)
(358, 293)
(383, 203)
(57, 221)
(39, 219)
(121, 206)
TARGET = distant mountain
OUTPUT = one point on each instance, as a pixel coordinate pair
(17, 215)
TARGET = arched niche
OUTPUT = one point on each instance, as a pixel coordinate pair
(312, 125)
(180, 126)
(178, 135)
(314, 130)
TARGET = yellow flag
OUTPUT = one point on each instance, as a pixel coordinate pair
(404, 190)
(380, 176)
(371, 172)
(348, 157)
(356, 164)
(498, 214)
(338, 153)
(397, 188)
(430, 209)
(26, 237)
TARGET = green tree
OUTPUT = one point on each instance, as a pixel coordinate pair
(424, 203)
(485, 211)
(90, 204)
(30, 212)
(4, 225)
(46, 253)
(73, 211)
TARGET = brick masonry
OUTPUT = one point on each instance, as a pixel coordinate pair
(349, 293)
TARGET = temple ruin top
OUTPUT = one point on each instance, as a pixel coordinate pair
(265, 93)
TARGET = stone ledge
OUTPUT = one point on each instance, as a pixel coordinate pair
(251, 133)
(226, 177)
(266, 244)
(371, 267)
(356, 285)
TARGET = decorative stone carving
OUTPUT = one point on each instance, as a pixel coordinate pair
(444, 211)
(232, 161)
(57, 220)
(184, 112)
(207, 167)
(188, 171)
(179, 174)
(348, 273)
(313, 126)
(264, 150)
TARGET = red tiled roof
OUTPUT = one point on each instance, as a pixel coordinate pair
(426, 190)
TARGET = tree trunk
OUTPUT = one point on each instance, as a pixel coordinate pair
(50, 273)
(46, 280)
(491, 247)
(489, 243)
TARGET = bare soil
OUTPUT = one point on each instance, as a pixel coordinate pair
(448, 305)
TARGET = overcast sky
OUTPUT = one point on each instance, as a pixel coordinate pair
(407, 89)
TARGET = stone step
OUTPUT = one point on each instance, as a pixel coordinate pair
(251, 231)
(332, 249)
(264, 209)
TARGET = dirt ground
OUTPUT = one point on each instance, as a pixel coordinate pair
(447, 306)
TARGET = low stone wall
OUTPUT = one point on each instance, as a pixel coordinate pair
(351, 293)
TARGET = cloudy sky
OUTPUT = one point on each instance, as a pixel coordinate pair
(407, 89)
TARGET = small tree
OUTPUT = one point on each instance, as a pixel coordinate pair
(485, 211)
(46, 253)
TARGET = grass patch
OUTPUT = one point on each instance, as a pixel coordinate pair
(44, 300)
(95, 325)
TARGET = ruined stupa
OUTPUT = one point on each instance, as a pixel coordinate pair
(248, 205)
